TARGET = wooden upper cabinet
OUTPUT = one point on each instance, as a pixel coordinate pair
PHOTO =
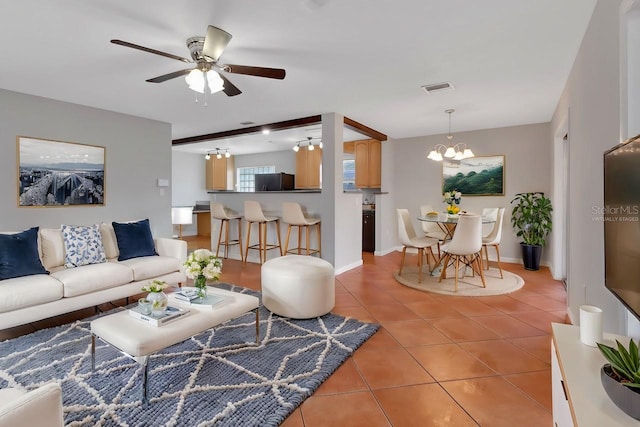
(308, 168)
(368, 154)
(220, 173)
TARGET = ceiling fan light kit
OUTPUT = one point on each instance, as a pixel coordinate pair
(458, 151)
(205, 53)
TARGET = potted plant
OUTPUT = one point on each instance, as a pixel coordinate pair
(531, 218)
(621, 376)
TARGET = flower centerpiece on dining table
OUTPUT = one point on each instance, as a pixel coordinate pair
(452, 199)
(202, 266)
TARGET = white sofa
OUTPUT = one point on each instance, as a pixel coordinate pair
(41, 407)
(29, 298)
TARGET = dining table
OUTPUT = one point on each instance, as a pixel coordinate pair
(447, 223)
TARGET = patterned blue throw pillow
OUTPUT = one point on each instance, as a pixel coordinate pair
(19, 254)
(82, 245)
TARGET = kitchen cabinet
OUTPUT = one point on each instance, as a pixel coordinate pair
(220, 173)
(368, 155)
(368, 231)
(308, 168)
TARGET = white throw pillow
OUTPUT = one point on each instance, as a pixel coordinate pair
(83, 245)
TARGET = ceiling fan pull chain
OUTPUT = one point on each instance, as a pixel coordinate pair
(206, 87)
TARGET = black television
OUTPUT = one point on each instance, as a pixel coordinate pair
(621, 215)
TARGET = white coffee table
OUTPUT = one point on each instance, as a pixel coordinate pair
(139, 340)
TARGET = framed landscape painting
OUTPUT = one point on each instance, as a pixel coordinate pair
(475, 176)
(55, 173)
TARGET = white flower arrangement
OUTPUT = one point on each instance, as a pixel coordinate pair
(202, 262)
(155, 286)
(452, 197)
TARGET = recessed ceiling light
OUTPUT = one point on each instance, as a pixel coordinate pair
(265, 131)
(437, 87)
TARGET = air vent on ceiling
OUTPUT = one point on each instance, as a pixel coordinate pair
(438, 87)
(247, 123)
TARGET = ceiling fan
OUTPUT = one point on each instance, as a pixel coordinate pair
(205, 53)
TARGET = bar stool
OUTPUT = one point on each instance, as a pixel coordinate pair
(253, 214)
(292, 214)
(218, 211)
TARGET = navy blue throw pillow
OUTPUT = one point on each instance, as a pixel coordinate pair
(19, 254)
(134, 239)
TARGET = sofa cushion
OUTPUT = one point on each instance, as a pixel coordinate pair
(134, 239)
(82, 245)
(93, 277)
(27, 291)
(19, 254)
(51, 248)
(109, 241)
(151, 266)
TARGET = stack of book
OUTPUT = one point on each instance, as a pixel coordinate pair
(172, 313)
(187, 296)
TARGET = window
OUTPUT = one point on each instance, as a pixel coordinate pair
(348, 174)
(246, 180)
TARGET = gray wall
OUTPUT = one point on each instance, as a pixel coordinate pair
(418, 180)
(591, 100)
(138, 152)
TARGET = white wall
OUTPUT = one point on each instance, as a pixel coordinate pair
(418, 180)
(592, 101)
(188, 184)
(138, 152)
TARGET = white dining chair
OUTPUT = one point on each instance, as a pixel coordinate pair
(409, 239)
(465, 247)
(431, 229)
(491, 215)
(493, 239)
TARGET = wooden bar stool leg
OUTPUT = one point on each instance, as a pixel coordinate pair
(219, 237)
(319, 241)
(278, 235)
(306, 227)
(226, 233)
(262, 231)
(240, 236)
(299, 239)
(286, 243)
(246, 249)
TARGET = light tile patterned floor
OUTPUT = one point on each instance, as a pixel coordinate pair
(437, 360)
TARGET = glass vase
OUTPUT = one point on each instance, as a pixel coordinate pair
(158, 303)
(201, 286)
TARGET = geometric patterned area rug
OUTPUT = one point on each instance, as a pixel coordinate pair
(467, 285)
(214, 378)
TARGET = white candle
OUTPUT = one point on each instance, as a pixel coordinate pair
(590, 325)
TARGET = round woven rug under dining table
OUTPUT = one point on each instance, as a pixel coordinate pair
(467, 286)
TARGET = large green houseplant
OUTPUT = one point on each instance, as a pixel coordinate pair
(531, 218)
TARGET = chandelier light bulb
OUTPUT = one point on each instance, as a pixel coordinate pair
(468, 153)
(450, 152)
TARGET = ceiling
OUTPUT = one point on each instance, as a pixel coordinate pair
(365, 59)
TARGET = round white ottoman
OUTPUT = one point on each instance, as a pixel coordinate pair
(298, 286)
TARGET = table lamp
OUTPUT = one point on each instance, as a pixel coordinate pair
(180, 216)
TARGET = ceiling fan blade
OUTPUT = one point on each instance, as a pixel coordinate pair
(271, 73)
(147, 49)
(169, 76)
(215, 42)
(229, 88)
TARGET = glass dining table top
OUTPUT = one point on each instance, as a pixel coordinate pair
(445, 218)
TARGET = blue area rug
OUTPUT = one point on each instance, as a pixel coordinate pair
(214, 378)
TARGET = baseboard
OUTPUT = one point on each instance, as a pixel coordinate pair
(348, 267)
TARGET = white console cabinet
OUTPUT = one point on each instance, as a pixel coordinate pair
(578, 396)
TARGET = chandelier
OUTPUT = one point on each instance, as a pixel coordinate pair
(457, 151)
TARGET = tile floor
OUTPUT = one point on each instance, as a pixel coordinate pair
(436, 361)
